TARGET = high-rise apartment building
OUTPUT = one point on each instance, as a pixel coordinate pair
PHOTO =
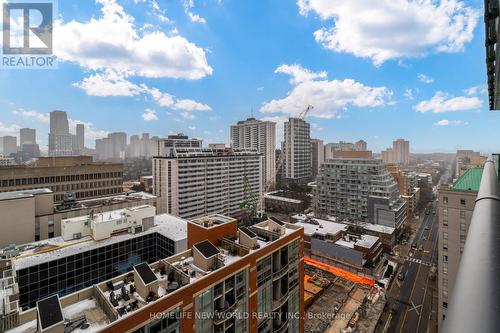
(80, 137)
(234, 280)
(165, 146)
(193, 182)
(456, 205)
(27, 135)
(330, 148)
(77, 174)
(259, 135)
(359, 190)
(9, 145)
(467, 159)
(296, 150)
(317, 155)
(60, 140)
(401, 151)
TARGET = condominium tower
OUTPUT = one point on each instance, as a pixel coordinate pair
(360, 190)
(297, 150)
(192, 182)
(259, 135)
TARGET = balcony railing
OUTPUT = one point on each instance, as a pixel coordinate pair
(475, 302)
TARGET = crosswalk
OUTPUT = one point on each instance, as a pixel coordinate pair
(418, 261)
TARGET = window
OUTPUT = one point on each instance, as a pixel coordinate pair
(462, 202)
(445, 305)
(445, 282)
(445, 200)
(462, 214)
(445, 211)
(445, 234)
(462, 238)
(445, 269)
(462, 226)
(445, 258)
(445, 246)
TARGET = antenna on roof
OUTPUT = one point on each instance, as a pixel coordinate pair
(251, 111)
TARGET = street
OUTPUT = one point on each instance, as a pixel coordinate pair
(412, 298)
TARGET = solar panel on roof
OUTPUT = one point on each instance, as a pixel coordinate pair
(248, 232)
(49, 312)
(277, 221)
(145, 272)
(206, 248)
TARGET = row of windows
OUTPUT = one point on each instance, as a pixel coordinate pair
(59, 179)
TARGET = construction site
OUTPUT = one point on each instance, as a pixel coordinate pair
(340, 301)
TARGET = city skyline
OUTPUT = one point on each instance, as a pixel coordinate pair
(358, 92)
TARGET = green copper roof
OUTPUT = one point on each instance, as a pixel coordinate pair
(470, 180)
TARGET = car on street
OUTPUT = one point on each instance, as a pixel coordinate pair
(401, 276)
(426, 227)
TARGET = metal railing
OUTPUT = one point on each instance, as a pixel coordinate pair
(475, 302)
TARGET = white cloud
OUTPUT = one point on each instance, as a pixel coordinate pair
(10, 130)
(188, 6)
(392, 29)
(111, 83)
(446, 122)
(425, 79)
(192, 128)
(190, 105)
(260, 88)
(329, 98)
(112, 41)
(442, 102)
(300, 74)
(187, 115)
(42, 117)
(409, 94)
(477, 90)
(149, 115)
(108, 83)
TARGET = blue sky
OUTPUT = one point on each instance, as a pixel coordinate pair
(392, 69)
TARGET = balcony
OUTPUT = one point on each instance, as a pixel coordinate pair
(475, 302)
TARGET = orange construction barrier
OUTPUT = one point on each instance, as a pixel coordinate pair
(339, 272)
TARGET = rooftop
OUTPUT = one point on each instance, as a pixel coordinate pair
(115, 299)
(104, 201)
(326, 224)
(39, 252)
(469, 181)
(23, 194)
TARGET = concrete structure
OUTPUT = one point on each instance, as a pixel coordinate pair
(7, 161)
(317, 156)
(194, 182)
(31, 215)
(260, 135)
(286, 203)
(9, 145)
(209, 288)
(408, 183)
(359, 190)
(456, 205)
(60, 140)
(466, 159)
(342, 246)
(62, 267)
(165, 146)
(297, 151)
(359, 145)
(351, 154)
(27, 135)
(80, 138)
(77, 174)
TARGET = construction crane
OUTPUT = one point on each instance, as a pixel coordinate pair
(281, 160)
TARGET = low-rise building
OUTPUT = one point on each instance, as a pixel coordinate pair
(246, 280)
(32, 215)
(285, 203)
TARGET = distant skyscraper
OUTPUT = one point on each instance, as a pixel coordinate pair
(27, 135)
(318, 156)
(9, 145)
(330, 148)
(165, 146)
(401, 151)
(80, 137)
(60, 140)
(297, 150)
(259, 135)
(134, 148)
(119, 142)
